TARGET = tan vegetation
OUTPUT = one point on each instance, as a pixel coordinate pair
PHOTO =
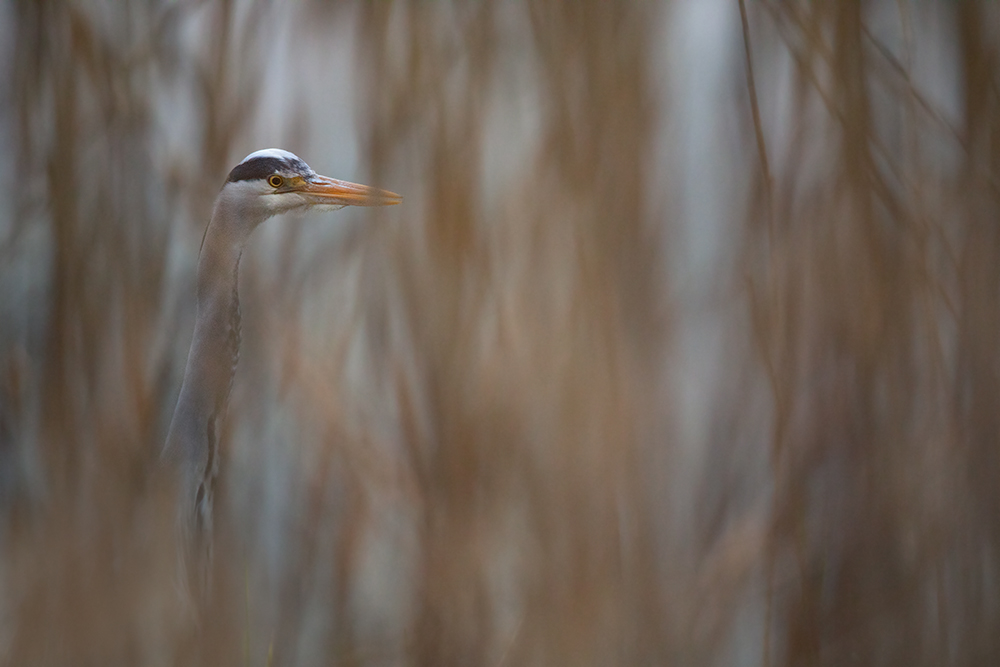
(516, 420)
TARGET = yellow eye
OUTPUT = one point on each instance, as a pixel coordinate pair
(275, 181)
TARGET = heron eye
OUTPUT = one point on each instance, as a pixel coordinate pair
(275, 181)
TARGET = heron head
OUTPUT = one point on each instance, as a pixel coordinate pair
(272, 181)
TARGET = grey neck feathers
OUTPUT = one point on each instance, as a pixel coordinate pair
(214, 353)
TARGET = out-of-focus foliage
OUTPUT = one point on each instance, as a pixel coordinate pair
(663, 360)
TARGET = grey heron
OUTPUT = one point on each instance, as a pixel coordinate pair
(266, 183)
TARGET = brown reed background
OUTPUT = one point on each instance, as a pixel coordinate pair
(510, 422)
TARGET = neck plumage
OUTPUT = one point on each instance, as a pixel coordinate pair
(211, 365)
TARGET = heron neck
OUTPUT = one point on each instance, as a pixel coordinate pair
(221, 250)
(215, 345)
(218, 322)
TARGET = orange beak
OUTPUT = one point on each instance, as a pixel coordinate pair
(331, 192)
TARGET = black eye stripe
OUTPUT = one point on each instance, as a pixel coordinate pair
(257, 168)
(298, 165)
